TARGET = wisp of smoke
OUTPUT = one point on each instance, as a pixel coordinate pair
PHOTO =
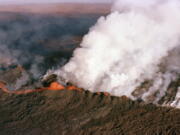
(31, 41)
(128, 47)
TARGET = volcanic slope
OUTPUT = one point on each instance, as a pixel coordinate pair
(80, 113)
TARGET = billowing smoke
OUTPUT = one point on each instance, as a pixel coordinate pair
(134, 51)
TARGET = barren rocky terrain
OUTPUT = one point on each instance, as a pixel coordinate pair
(85, 113)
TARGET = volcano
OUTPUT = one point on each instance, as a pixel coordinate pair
(35, 99)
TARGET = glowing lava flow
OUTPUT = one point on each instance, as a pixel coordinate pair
(53, 86)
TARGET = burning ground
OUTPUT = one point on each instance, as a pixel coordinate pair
(33, 43)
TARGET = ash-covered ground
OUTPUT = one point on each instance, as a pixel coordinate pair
(30, 44)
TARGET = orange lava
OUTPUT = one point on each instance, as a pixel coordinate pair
(56, 86)
(72, 87)
(53, 86)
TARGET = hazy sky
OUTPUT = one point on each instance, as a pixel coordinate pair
(48, 1)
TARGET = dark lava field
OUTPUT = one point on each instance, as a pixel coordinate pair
(33, 44)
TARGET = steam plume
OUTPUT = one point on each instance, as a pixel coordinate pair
(128, 47)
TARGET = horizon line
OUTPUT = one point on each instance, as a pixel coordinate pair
(29, 3)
